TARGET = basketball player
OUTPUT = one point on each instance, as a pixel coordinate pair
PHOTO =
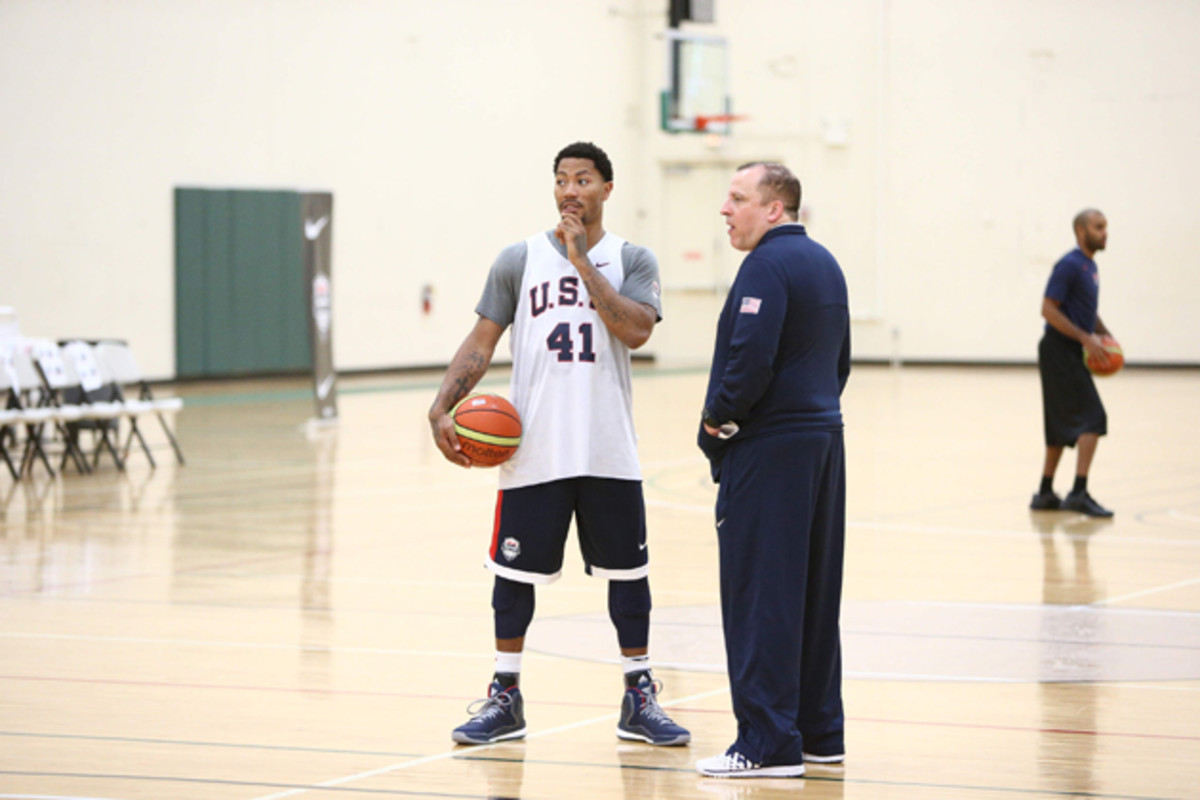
(1071, 409)
(578, 300)
(772, 431)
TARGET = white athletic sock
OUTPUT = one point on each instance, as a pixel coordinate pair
(508, 663)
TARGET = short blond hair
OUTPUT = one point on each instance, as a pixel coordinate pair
(778, 183)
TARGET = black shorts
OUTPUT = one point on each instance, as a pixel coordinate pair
(1070, 403)
(530, 533)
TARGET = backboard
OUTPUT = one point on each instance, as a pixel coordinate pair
(696, 98)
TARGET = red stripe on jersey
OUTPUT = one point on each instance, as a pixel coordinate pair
(494, 549)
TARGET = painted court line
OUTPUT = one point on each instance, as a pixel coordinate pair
(946, 530)
(1145, 592)
(299, 648)
(456, 751)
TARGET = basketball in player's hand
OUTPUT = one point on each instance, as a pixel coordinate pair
(488, 428)
(1116, 358)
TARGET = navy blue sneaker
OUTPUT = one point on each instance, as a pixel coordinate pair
(495, 718)
(1046, 501)
(642, 718)
(1083, 503)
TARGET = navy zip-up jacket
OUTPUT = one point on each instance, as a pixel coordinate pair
(782, 354)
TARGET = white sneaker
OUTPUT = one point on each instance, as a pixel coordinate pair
(732, 764)
(837, 758)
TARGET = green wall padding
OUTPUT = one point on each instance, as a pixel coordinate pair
(189, 283)
(240, 285)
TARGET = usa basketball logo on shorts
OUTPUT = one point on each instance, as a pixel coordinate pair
(750, 305)
(510, 549)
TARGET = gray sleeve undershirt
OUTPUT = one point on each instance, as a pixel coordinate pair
(499, 300)
(641, 277)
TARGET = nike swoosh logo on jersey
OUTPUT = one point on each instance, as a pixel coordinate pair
(720, 522)
(313, 228)
(642, 546)
(324, 386)
(605, 264)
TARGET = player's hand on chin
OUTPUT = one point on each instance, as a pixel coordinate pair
(570, 232)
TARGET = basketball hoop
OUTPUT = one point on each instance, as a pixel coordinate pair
(718, 122)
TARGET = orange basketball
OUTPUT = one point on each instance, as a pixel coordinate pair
(1116, 358)
(488, 428)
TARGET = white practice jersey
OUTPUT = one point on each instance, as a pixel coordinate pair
(571, 379)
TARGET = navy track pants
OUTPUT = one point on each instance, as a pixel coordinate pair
(781, 530)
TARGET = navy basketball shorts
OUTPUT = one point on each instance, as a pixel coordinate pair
(1071, 405)
(532, 522)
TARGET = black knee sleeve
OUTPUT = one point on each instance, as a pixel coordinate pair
(512, 603)
(629, 610)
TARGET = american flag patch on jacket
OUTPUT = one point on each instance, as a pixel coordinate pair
(750, 305)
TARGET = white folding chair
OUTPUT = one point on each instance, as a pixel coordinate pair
(101, 390)
(11, 416)
(28, 398)
(63, 385)
(119, 366)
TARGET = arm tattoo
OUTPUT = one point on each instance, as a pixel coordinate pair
(609, 311)
(613, 311)
(472, 370)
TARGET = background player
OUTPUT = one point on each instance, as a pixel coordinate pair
(579, 300)
(1072, 413)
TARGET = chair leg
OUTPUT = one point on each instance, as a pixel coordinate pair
(106, 441)
(135, 431)
(66, 453)
(33, 447)
(171, 437)
(7, 460)
(71, 448)
(21, 468)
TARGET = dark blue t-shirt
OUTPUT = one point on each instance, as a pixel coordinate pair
(1075, 283)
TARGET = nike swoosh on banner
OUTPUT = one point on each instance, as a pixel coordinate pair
(313, 228)
(324, 386)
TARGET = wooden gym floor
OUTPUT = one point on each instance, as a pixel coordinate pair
(302, 612)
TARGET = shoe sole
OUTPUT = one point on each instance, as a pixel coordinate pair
(630, 736)
(783, 771)
(813, 759)
(1087, 513)
(462, 738)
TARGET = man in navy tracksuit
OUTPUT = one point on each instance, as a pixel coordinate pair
(772, 430)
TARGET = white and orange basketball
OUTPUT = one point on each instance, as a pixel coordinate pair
(488, 428)
(1116, 358)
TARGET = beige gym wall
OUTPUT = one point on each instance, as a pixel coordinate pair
(944, 146)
